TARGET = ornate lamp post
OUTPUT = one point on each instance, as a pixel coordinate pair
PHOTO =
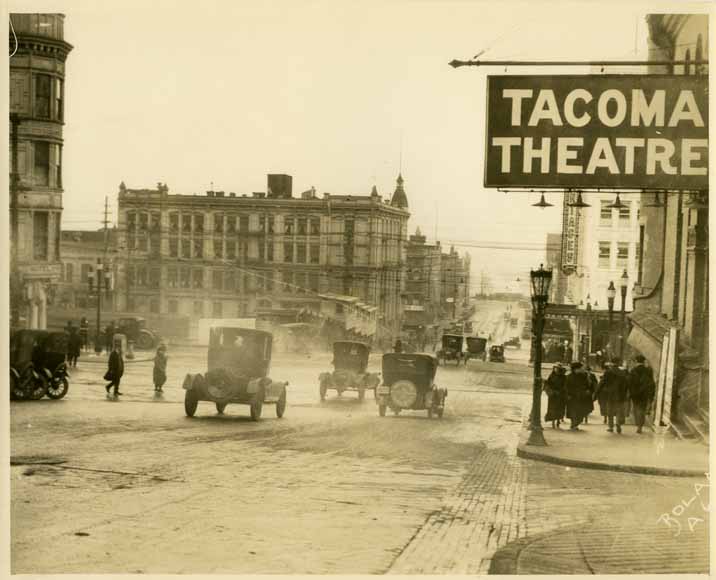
(623, 285)
(103, 275)
(540, 281)
(611, 294)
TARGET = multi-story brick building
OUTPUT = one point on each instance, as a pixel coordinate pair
(266, 254)
(37, 74)
(455, 282)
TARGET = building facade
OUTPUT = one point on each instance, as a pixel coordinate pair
(267, 254)
(37, 74)
(455, 282)
(557, 290)
(423, 303)
(672, 279)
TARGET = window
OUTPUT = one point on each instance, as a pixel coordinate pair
(231, 249)
(143, 222)
(229, 281)
(301, 253)
(85, 269)
(622, 255)
(198, 278)
(155, 278)
(142, 241)
(131, 277)
(58, 237)
(605, 215)
(173, 223)
(216, 310)
(315, 226)
(43, 96)
(199, 224)
(339, 308)
(349, 228)
(172, 277)
(218, 248)
(348, 252)
(185, 278)
(142, 276)
(244, 224)
(288, 251)
(40, 235)
(288, 225)
(131, 221)
(198, 308)
(313, 281)
(173, 248)
(269, 281)
(269, 252)
(198, 248)
(56, 165)
(186, 224)
(219, 223)
(42, 162)
(604, 255)
(262, 251)
(155, 222)
(640, 255)
(271, 227)
(625, 213)
(230, 224)
(262, 224)
(302, 226)
(217, 280)
(154, 305)
(186, 249)
(315, 253)
(173, 307)
(59, 112)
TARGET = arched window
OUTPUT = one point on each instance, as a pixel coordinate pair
(687, 64)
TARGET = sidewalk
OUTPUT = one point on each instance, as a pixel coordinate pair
(594, 447)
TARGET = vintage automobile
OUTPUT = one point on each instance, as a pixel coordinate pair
(350, 361)
(238, 365)
(476, 348)
(451, 348)
(497, 353)
(135, 329)
(37, 365)
(514, 341)
(408, 384)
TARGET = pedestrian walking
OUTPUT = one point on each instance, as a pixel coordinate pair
(642, 389)
(116, 368)
(554, 386)
(74, 344)
(578, 398)
(160, 368)
(84, 333)
(614, 388)
(593, 385)
(398, 346)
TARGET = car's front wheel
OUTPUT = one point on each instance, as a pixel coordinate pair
(58, 389)
(190, 403)
(220, 408)
(257, 406)
(281, 404)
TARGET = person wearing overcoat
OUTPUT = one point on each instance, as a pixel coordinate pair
(579, 400)
(614, 388)
(115, 369)
(642, 389)
(554, 387)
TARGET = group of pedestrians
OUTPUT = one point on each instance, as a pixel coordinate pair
(572, 395)
(115, 369)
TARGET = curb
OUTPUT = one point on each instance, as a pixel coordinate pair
(524, 453)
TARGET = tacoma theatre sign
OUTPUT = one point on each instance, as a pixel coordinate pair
(627, 131)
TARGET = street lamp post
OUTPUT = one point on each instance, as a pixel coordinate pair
(611, 294)
(623, 285)
(540, 280)
(102, 274)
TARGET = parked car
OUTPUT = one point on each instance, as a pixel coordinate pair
(238, 365)
(350, 361)
(408, 383)
(135, 329)
(476, 348)
(497, 353)
(451, 348)
(37, 364)
(514, 341)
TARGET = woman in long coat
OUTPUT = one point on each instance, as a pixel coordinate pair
(160, 368)
(555, 388)
(116, 369)
(579, 400)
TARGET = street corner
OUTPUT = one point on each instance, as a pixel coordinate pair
(593, 447)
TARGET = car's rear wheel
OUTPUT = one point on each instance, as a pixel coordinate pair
(190, 403)
(145, 341)
(381, 410)
(57, 390)
(220, 408)
(38, 388)
(281, 404)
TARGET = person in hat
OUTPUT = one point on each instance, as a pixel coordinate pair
(116, 368)
(613, 387)
(642, 389)
(579, 401)
(554, 386)
(160, 368)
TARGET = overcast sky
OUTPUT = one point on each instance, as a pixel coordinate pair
(221, 91)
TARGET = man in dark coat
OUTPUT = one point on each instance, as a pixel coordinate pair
(642, 389)
(74, 343)
(554, 386)
(613, 387)
(579, 401)
(116, 368)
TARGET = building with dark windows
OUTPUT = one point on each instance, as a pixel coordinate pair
(37, 75)
(267, 255)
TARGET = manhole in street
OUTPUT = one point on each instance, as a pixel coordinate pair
(36, 460)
